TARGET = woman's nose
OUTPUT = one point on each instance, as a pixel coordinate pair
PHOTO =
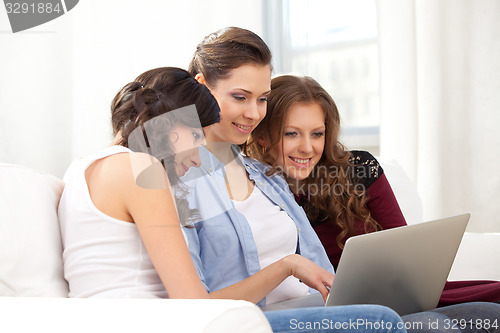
(305, 146)
(195, 158)
(252, 112)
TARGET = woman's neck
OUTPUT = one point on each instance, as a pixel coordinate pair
(221, 150)
(238, 184)
(296, 186)
(117, 139)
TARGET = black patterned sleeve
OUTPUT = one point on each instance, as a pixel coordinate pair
(366, 167)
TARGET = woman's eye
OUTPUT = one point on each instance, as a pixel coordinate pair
(318, 134)
(263, 99)
(239, 98)
(291, 134)
(197, 136)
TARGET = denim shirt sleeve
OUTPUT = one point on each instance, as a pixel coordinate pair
(194, 249)
(220, 242)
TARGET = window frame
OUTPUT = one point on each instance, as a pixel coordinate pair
(276, 34)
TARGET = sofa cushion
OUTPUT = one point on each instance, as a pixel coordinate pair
(405, 191)
(30, 241)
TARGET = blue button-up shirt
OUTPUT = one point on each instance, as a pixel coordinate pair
(222, 244)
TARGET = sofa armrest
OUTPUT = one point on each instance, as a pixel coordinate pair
(30, 240)
(41, 314)
(477, 258)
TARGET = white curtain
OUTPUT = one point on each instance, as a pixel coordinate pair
(440, 103)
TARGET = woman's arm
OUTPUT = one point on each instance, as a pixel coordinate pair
(383, 205)
(154, 213)
(257, 286)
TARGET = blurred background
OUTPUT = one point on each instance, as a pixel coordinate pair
(417, 81)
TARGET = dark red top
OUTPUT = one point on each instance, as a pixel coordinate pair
(385, 210)
(383, 207)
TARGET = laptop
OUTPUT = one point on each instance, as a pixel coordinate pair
(403, 268)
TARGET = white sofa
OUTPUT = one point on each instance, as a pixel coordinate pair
(31, 270)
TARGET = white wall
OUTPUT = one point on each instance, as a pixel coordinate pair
(57, 80)
(35, 95)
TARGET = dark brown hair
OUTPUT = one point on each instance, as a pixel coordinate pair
(344, 209)
(227, 49)
(155, 93)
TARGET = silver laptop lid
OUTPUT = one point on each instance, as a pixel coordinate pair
(403, 268)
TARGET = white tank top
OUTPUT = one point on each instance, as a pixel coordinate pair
(103, 256)
(275, 236)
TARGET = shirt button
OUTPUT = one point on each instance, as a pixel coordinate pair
(282, 205)
(209, 169)
(261, 183)
(298, 229)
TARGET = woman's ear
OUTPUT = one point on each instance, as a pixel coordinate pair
(264, 142)
(200, 78)
(173, 137)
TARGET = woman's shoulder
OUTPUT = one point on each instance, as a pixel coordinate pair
(366, 167)
(121, 167)
(81, 165)
(256, 165)
(361, 157)
(135, 169)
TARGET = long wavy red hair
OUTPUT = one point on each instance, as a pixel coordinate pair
(333, 171)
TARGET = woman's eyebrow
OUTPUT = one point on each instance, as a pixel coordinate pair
(298, 128)
(244, 90)
(250, 93)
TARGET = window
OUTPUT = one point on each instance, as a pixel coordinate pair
(335, 42)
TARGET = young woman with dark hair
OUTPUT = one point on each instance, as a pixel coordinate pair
(119, 223)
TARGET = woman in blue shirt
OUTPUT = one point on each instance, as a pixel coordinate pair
(253, 242)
